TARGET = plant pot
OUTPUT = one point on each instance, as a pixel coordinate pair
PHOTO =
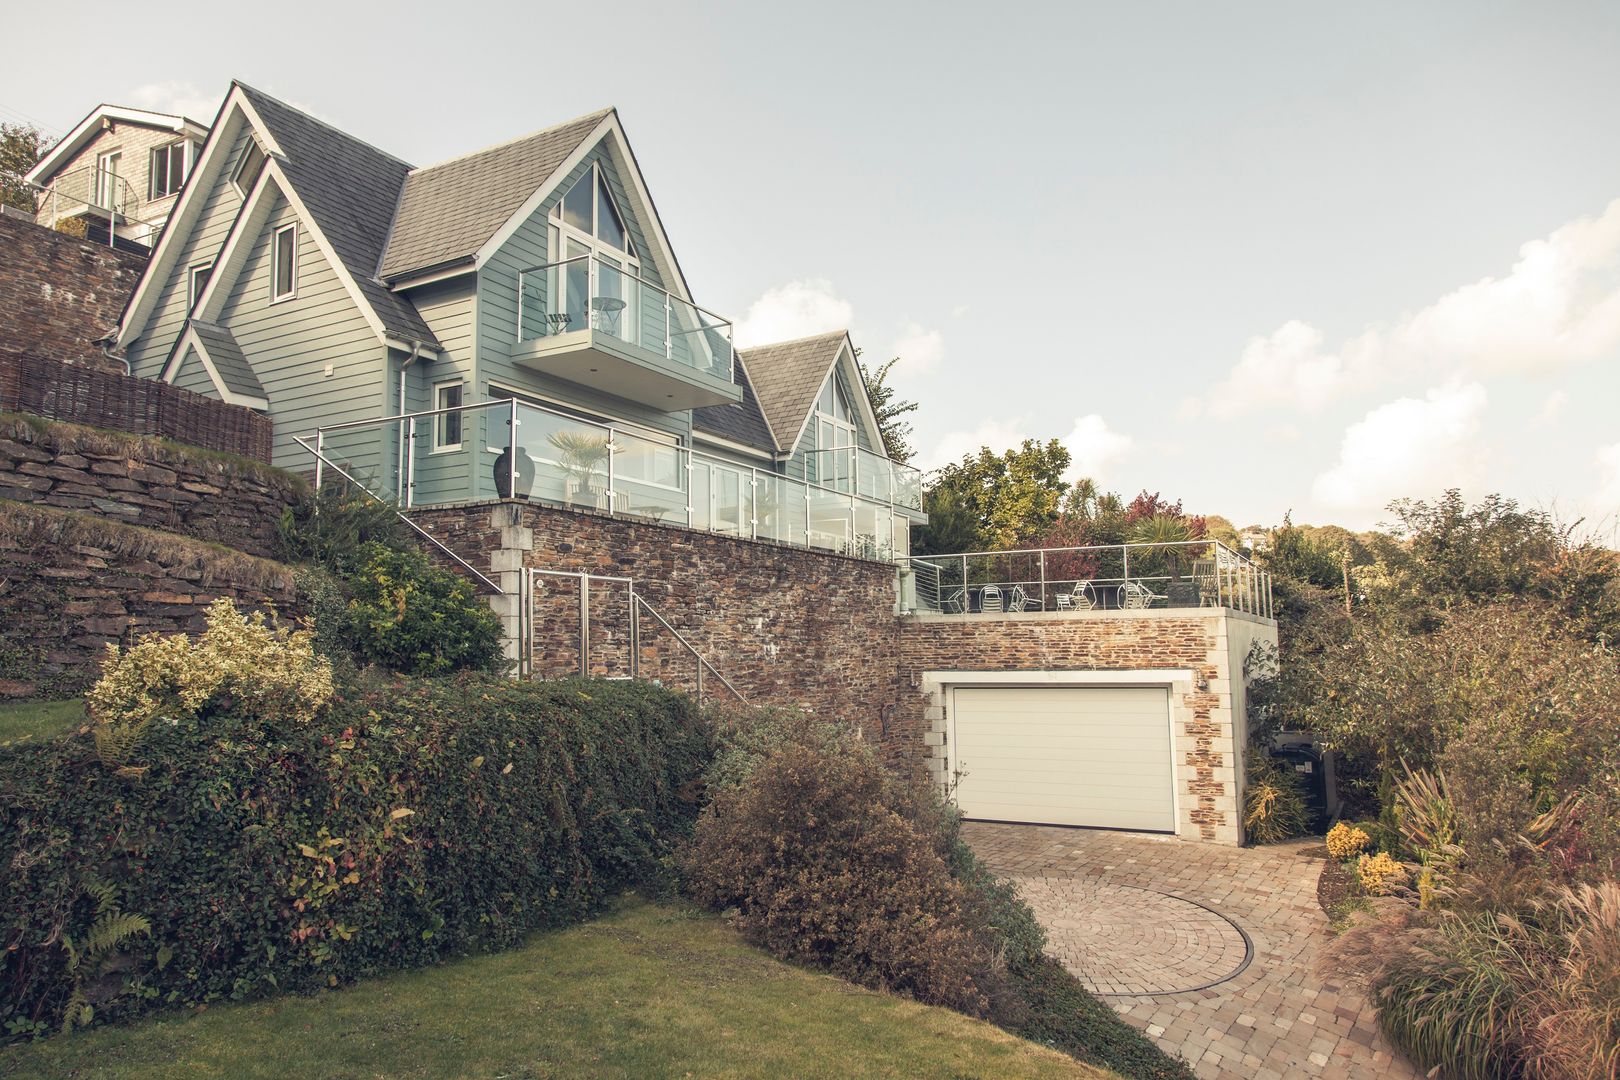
(504, 471)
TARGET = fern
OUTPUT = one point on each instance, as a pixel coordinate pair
(111, 929)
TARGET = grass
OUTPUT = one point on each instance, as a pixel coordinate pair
(35, 719)
(649, 990)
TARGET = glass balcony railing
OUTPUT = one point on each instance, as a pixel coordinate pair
(512, 449)
(590, 292)
(871, 476)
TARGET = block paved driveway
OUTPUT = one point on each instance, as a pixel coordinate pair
(1211, 950)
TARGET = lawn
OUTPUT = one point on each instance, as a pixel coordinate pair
(39, 719)
(649, 990)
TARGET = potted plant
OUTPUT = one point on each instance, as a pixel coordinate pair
(583, 453)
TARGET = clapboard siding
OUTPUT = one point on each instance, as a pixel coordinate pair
(194, 377)
(148, 353)
(498, 310)
(447, 307)
(290, 343)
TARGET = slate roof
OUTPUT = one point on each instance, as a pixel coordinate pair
(788, 375)
(351, 189)
(226, 356)
(741, 422)
(448, 211)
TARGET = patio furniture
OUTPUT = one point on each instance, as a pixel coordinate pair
(1134, 596)
(559, 321)
(607, 310)
(1209, 588)
(990, 599)
(1083, 598)
(1019, 600)
(954, 602)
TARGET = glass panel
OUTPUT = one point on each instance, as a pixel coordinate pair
(576, 291)
(907, 486)
(611, 310)
(871, 541)
(702, 494)
(729, 501)
(160, 173)
(609, 228)
(698, 339)
(577, 204)
(829, 520)
(560, 460)
(649, 478)
(873, 477)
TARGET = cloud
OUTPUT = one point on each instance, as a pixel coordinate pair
(1407, 445)
(919, 350)
(998, 435)
(1550, 410)
(1094, 447)
(795, 310)
(176, 97)
(1558, 306)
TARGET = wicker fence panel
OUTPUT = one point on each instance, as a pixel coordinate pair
(81, 395)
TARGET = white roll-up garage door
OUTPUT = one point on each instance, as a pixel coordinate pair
(1065, 755)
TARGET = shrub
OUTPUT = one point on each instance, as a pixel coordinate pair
(1578, 1031)
(410, 821)
(240, 662)
(413, 617)
(1380, 873)
(331, 526)
(1345, 841)
(1273, 800)
(819, 859)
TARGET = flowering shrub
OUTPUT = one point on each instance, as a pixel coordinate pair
(241, 662)
(1346, 841)
(1379, 873)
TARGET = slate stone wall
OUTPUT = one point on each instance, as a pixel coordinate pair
(59, 293)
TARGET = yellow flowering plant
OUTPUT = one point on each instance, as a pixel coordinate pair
(1379, 873)
(1346, 841)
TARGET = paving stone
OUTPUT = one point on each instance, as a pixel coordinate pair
(1122, 911)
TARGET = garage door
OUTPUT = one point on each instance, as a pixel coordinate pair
(1093, 755)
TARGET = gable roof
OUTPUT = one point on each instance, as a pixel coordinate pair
(350, 189)
(740, 422)
(234, 369)
(448, 211)
(87, 129)
(788, 376)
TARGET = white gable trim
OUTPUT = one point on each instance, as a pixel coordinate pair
(611, 131)
(190, 340)
(91, 125)
(845, 356)
(193, 197)
(228, 262)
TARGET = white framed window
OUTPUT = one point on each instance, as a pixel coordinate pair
(835, 430)
(284, 263)
(198, 282)
(108, 186)
(168, 169)
(447, 426)
(248, 168)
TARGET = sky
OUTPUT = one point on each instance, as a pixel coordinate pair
(1267, 258)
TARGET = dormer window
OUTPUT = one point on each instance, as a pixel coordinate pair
(249, 168)
(589, 207)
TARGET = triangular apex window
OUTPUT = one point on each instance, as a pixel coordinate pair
(588, 206)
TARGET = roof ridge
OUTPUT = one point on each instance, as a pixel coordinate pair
(795, 341)
(327, 124)
(598, 114)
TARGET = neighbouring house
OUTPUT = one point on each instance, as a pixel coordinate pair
(505, 346)
(115, 178)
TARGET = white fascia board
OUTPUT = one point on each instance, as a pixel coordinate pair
(646, 212)
(193, 196)
(189, 339)
(233, 255)
(858, 385)
(87, 128)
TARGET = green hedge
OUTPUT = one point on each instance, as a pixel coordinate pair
(416, 820)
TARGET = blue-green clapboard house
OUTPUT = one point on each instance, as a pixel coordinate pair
(335, 287)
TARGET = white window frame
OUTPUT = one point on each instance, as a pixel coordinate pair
(439, 389)
(108, 162)
(167, 152)
(275, 263)
(193, 290)
(236, 174)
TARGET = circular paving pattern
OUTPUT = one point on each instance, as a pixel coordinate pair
(1121, 940)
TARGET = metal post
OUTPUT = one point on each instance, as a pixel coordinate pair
(410, 465)
(1125, 558)
(511, 452)
(669, 346)
(753, 503)
(699, 678)
(584, 625)
(320, 456)
(523, 278)
(1043, 579)
(635, 632)
(612, 449)
(688, 454)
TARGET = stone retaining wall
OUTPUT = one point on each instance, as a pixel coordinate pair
(71, 584)
(59, 293)
(144, 481)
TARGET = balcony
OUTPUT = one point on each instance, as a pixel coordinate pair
(1081, 580)
(859, 472)
(101, 197)
(590, 322)
(510, 449)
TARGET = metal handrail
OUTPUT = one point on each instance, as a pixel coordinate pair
(702, 663)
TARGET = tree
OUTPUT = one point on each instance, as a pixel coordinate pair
(20, 147)
(889, 409)
(1012, 497)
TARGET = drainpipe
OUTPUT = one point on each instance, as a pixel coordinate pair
(399, 486)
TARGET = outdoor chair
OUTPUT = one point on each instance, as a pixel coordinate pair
(955, 602)
(990, 600)
(1207, 583)
(1134, 596)
(1020, 600)
(1082, 598)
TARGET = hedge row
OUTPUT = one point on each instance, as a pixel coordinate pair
(415, 820)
